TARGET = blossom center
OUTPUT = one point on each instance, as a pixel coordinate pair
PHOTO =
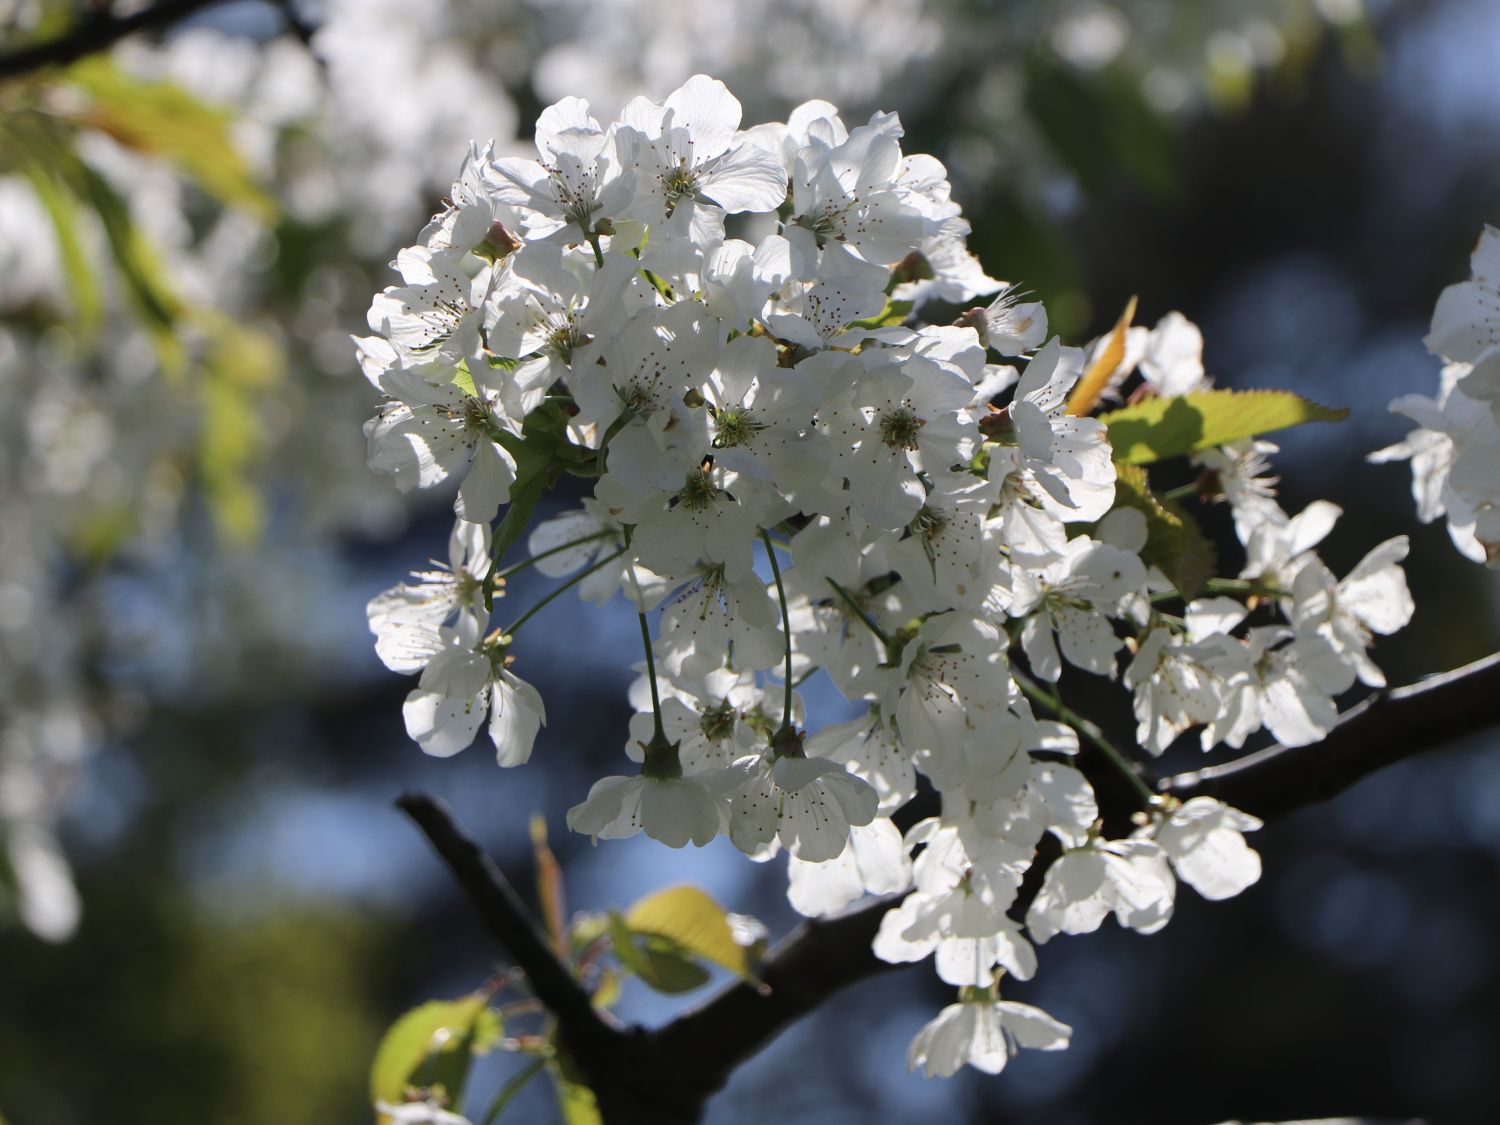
(563, 338)
(679, 184)
(899, 428)
(718, 721)
(698, 491)
(735, 425)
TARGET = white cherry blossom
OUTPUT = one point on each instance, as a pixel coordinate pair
(807, 804)
(983, 1033)
(1204, 840)
(464, 682)
(1129, 878)
(404, 617)
(874, 863)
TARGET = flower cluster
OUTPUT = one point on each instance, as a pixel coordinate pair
(1455, 451)
(798, 475)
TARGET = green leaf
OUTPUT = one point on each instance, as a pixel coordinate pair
(144, 277)
(693, 920)
(609, 983)
(141, 274)
(62, 209)
(1174, 543)
(659, 961)
(464, 379)
(433, 1045)
(164, 120)
(574, 1099)
(1155, 429)
(532, 471)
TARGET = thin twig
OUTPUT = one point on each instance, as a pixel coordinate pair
(96, 33)
(1089, 730)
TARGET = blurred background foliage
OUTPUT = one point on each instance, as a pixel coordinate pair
(192, 720)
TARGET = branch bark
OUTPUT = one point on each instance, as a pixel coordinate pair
(1387, 727)
(822, 957)
(96, 33)
(666, 1076)
(633, 1084)
(818, 958)
(511, 924)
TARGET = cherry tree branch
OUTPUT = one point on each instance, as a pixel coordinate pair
(96, 32)
(818, 958)
(665, 1076)
(511, 924)
(821, 957)
(1389, 726)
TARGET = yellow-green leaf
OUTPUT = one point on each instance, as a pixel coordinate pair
(62, 209)
(578, 1104)
(463, 379)
(1155, 429)
(692, 919)
(609, 983)
(164, 120)
(141, 273)
(574, 1099)
(136, 261)
(1174, 543)
(433, 1044)
(660, 962)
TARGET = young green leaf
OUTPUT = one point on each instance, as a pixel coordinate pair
(1174, 543)
(141, 271)
(165, 120)
(1155, 429)
(433, 1045)
(575, 1100)
(62, 209)
(660, 962)
(692, 919)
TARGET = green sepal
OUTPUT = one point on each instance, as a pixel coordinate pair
(894, 313)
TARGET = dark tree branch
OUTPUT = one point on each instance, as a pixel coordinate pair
(822, 957)
(1386, 728)
(634, 1083)
(511, 924)
(96, 33)
(665, 1076)
(817, 959)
